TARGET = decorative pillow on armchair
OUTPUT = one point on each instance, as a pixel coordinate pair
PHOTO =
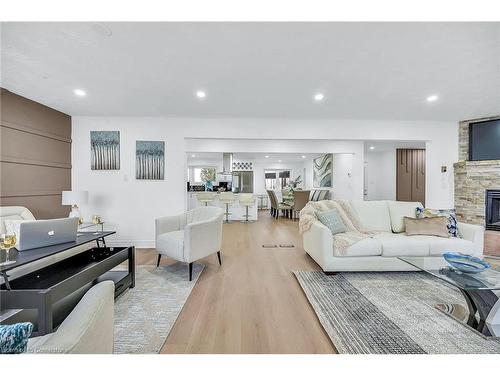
(449, 214)
(14, 337)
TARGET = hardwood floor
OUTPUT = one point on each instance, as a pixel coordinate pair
(253, 303)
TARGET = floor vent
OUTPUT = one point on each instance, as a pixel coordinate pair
(269, 246)
(288, 245)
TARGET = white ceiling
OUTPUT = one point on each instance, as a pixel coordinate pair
(365, 70)
(383, 146)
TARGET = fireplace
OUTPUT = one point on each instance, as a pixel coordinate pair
(492, 209)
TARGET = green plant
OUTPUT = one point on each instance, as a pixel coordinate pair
(292, 185)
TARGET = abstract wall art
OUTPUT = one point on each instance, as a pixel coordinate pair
(323, 171)
(149, 160)
(104, 150)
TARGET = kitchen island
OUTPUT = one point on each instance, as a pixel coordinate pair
(236, 211)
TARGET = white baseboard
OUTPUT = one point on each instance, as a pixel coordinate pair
(139, 244)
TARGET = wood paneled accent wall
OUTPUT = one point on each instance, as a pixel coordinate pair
(35, 157)
(410, 175)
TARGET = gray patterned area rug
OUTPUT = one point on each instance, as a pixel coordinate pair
(389, 313)
(145, 314)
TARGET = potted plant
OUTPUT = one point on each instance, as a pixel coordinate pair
(208, 177)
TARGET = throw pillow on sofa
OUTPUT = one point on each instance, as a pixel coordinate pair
(431, 226)
(332, 220)
(448, 213)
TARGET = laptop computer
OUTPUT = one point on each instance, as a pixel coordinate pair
(43, 233)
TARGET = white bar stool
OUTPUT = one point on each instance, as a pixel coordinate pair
(246, 200)
(205, 197)
(227, 198)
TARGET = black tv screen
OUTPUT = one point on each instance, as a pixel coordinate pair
(484, 140)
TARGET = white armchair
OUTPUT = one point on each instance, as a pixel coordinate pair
(88, 329)
(190, 236)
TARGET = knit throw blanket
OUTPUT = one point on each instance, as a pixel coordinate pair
(341, 241)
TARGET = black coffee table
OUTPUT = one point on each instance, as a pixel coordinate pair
(478, 290)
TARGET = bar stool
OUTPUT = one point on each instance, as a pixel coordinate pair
(205, 197)
(227, 198)
(246, 200)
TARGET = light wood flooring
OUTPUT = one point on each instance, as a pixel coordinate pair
(253, 303)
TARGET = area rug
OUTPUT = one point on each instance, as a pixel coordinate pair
(390, 313)
(145, 314)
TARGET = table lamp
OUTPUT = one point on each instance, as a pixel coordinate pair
(73, 199)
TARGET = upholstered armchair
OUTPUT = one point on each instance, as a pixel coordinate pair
(88, 329)
(190, 236)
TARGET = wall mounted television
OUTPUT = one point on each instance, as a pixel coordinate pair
(484, 140)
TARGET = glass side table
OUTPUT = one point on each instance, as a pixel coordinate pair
(480, 291)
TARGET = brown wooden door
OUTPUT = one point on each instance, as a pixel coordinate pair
(410, 172)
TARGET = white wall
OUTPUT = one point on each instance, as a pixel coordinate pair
(380, 175)
(345, 181)
(130, 206)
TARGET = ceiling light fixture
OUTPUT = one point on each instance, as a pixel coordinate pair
(372, 147)
(319, 97)
(267, 156)
(303, 156)
(432, 98)
(193, 155)
(201, 94)
(279, 161)
(79, 92)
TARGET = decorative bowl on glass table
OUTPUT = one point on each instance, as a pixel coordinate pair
(466, 263)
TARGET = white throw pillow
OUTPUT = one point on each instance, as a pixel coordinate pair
(14, 226)
(398, 211)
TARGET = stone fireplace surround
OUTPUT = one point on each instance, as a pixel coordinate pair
(472, 179)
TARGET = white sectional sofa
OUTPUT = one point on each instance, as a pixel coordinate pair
(380, 252)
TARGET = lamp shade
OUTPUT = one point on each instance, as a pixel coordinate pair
(70, 198)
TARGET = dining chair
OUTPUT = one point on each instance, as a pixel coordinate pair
(272, 199)
(323, 195)
(280, 206)
(300, 199)
(314, 195)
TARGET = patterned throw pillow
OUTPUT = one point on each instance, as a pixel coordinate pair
(450, 214)
(332, 220)
(14, 337)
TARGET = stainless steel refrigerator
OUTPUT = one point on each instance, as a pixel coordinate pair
(243, 182)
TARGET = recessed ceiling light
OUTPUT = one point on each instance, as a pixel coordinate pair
(193, 155)
(372, 147)
(319, 97)
(267, 156)
(79, 92)
(279, 161)
(201, 94)
(432, 98)
(303, 156)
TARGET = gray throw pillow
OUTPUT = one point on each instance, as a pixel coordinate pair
(332, 220)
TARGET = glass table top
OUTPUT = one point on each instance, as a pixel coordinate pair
(440, 268)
